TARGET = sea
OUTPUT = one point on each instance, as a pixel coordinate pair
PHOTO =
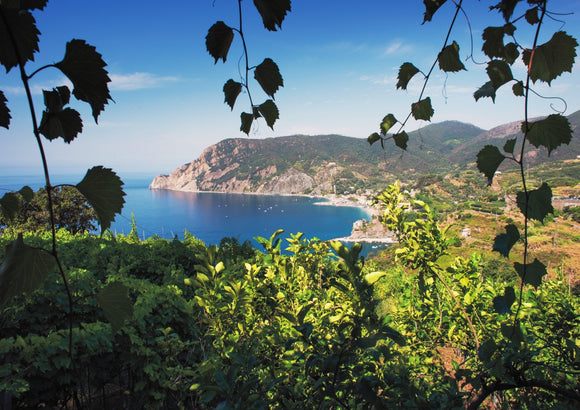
(213, 216)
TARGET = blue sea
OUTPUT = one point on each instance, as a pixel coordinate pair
(213, 216)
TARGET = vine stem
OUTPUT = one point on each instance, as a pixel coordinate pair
(241, 33)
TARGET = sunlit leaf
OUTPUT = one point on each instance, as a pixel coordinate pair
(539, 202)
(268, 76)
(401, 139)
(486, 90)
(449, 59)
(4, 112)
(372, 277)
(499, 73)
(374, 137)
(551, 132)
(270, 112)
(116, 304)
(422, 110)
(551, 59)
(24, 269)
(218, 41)
(23, 28)
(531, 273)
(272, 12)
(502, 304)
(431, 6)
(85, 68)
(488, 161)
(231, 91)
(504, 242)
(509, 146)
(246, 124)
(406, 72)
(388, 121)
(518, 89)
(103, 190)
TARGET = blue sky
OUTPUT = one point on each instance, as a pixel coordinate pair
(339, 60)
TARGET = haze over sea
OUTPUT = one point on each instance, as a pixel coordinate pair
(213, 216)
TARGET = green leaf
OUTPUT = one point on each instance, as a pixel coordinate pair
(512, 333)
(387, 123)
(272, 12)
(551, 132)
(372, 277)
(85, 68)
(9, 205)
(66, 124)
(488, 161)
(493, 45)
(539, 202)
(422, 110)
(374, 137)
(268, 76)
(387, 331)
(511, 53)
(27, 193)
(449, 59)
(401, 139)
(532, 272)
(431, 6)
(23, 28)
(506, 7)
(406, 72)
(532, 16)
(518, 89)
(509, 146)
(247, 120)
(499, 73)
(502, 304)
(231, 91)
(24, 269)
(218, 41)
(4, 112)
(116, 304)
(504, 242)
(486, 350)
(103, 190)
(551, 59)
(486, 90)
(270, 112)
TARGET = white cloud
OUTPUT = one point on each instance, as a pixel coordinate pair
(397, 47)
(138, 81)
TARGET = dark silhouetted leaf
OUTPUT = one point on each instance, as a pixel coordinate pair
(506, 7)
(512, 333)
(422, 110)
(539, 202)
(116, 304)
(218, 41)
(231, 91)
(103, 190)
(270, 112)
(509, 146)
(246, 125)
(551, 132)
(486, 350)
(272, 12)
(488, 160)
(486, 90)
(531, 273)
(268, 76)
(518, 89)
(493, 45)
(431, 6)
(504, 242)
(449, 59)
(4, 112)
(511, 53)
(27, 193)
(401, 140)
(24, 269)
(83, 65)
(66, 124)
(502, 304)
(25, 4)
(389, 332)
(532, 16)
(23, 28)
(551, 59)
(387, 123)
(374, 137)
(9, 205)
(406, 72)
(499, 73)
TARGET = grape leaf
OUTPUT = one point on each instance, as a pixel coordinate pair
(406, 72)
(551, 132)
(506, 7)
(246, 125)
(103, 190)
(513, 333)
(387, 123)
(66, 124)
(401, 140)
(24, 4)
(18, 25)
(518, 89)
(272, 12)
(488, 160)
(449, 59)
(504, 242)
(493, 45)
(9, 205)
(231, 91)
(374, 137)
(532, 16)
(486, 90)
(268, 76)
(551, 59)
(85, 68)
(4, 112)
(539, 202)
(511, 53)
(218, 41)
(270, 112)
(531, 273)
(422, 110)
(502, 304)
(116, 304)
(499, 73)
(24, 269)
(431, 6)
(509, 145)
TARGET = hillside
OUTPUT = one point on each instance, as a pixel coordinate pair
(325, 164)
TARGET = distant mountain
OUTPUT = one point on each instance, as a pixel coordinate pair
(323, 164)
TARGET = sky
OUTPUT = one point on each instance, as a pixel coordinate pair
(339, 60)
